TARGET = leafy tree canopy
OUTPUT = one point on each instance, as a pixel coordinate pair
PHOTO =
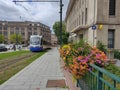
(2, 38)
(16, 38)
(65, 35)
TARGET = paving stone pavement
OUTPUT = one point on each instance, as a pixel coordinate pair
(36, 75)
(118, 63)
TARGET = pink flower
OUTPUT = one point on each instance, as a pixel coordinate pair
(93, 52)
(98, 61)
(79, 49)
(98, 56)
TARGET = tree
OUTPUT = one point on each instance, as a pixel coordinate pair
(2, 38)
(16, 38)
(65, 35)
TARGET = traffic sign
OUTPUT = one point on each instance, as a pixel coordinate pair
(93, 27)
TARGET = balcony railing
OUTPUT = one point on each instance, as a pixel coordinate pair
(99, 79)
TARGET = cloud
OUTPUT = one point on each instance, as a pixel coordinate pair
(44, 12)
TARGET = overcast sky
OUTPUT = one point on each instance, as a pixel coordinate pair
(44, 12)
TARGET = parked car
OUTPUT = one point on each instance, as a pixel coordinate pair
(2, 47)
(9, 46)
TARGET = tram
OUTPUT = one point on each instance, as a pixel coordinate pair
(36, 43)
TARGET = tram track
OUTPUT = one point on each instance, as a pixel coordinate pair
(7, 63)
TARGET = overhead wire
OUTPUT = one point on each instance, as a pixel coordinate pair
(27, 10)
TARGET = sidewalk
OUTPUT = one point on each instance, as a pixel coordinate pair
(118, 63)
(36, 75)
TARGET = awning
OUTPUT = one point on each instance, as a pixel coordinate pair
(80, 27)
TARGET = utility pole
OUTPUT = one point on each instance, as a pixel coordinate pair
(61, 5)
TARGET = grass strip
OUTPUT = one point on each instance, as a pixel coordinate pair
(16, 67)
(11, 54)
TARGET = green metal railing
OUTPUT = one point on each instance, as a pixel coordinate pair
(99, 79)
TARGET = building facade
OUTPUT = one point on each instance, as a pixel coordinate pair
(94, 20)
(25, 29)
(54, 40)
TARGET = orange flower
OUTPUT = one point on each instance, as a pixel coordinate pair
(94, 48)
(80, 57)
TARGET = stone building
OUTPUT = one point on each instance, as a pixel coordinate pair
(54, 40)
(25, 29)
(94, 20)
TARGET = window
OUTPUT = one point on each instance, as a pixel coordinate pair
(35, 28)
(79, 19)
(82, 17)
(23, 33)
(112, 5)
(86, 16)
(4, 28)
(17, 31)
(30, 29)
(81, 36)
(22, 29)
(29, 32)
(30, 24)
(5, 33)
(17, 28)
(111, 38)
(11, 28)
(35, 33)
(11, 32)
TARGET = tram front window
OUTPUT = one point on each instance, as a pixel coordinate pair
(35, 41)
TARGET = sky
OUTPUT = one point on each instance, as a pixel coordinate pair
(44, 12)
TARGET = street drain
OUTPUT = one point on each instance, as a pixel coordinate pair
(56, 83)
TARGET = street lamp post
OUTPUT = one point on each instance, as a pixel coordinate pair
(61, 5)
(17, 37)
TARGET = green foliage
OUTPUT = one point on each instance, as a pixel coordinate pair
(13, 38)
(113, 69)
(116, 54)
(101, 46)
(11, 54)
(16, 38)
(56, 28)
(2, 38)
(65, 35)
(83, 48)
